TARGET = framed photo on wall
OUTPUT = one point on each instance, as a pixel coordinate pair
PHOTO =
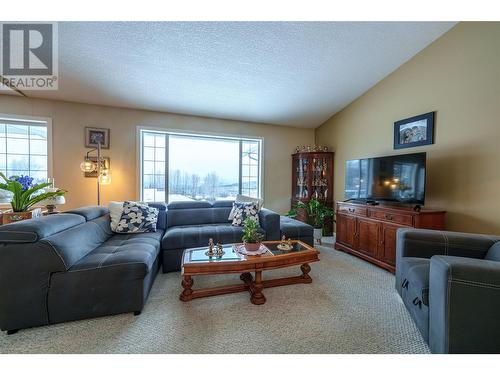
(93, 136)
(414, 131)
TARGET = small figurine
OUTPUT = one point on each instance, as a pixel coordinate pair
(210, 252)
(220, 252)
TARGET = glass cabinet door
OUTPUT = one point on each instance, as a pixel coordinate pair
(302, 173)
(320, 178)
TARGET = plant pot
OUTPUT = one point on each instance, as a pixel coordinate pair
(318, 234)
(252, 247)
(12, 217)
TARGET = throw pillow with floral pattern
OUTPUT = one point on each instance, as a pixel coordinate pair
(137, 218)
(243, 210)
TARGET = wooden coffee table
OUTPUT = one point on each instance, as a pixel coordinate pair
(195, 262)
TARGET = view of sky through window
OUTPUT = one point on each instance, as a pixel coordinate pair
(23, 150)
(198, 167)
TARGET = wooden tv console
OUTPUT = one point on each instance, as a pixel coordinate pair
(369, 232)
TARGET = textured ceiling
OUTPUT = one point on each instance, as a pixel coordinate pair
(285, 73)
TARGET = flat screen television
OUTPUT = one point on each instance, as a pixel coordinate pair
(396, 178)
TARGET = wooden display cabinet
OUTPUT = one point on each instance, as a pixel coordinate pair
(312, 177)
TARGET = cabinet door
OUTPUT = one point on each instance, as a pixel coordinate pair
(387, 248)
(368, 237)
(301, 178)
(346, 230)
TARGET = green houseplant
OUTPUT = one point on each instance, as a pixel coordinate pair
(24, 195)
(251, 238)
(316, 212)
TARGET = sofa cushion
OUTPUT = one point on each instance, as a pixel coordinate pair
(295, 229)
(197, 216)
(162, 213)
(182, 205)
(115, 213)
(245, 210)
(493, 252)
(134, 252)
(90, 212)
(76, 242)
(36, 229)
(182, 237)
(137, 218)
(223, 203)
(244, 198)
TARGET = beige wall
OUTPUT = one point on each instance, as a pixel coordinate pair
(69, 120)
(458, 76)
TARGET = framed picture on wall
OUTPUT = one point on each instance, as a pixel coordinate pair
(93, 136)
(414, 131)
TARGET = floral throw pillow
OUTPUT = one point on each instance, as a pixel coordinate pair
(244, 210)
(137, 218)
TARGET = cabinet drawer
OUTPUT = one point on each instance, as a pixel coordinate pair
(392, 217)
(352, 210)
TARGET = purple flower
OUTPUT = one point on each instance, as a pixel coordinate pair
(26, 181)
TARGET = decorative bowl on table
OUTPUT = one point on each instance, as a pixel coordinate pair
(252, 246)
(285, 247)
(241, 248)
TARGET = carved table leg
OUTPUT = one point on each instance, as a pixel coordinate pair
(247, 278)
(257, 297)
(187, 283)
(306, 268)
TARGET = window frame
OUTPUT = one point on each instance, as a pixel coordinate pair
(6, 117)
(200, 134)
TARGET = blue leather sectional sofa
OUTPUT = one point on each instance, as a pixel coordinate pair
(72, 266)
(192, 224)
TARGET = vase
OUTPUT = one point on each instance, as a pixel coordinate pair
(318, 234)
(12, 217)
(252, 247)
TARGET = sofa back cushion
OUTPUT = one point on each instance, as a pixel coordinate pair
(162, 214)
(493, 252)
(90, 212)
(197, 213)
(76, 242)
(36, 229)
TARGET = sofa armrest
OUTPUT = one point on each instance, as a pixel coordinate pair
(464, 301)
(424, 243)
(25, 271)
(270, 222)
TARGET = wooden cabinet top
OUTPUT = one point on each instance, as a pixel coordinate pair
(397, 209)
(311, 153)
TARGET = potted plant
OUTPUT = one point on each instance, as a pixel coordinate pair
(24, 195)
(316, 213)
(251, 238)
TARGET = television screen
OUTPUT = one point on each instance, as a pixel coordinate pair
(397, 178)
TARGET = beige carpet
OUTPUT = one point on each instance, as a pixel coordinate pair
(351, 307)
